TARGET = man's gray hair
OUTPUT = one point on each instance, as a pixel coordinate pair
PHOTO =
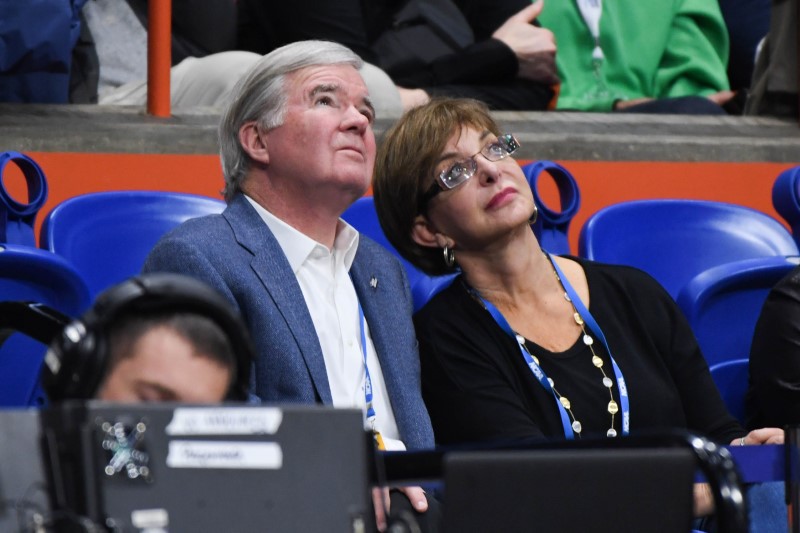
(260, 96)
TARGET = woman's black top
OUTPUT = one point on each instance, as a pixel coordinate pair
(478, 387)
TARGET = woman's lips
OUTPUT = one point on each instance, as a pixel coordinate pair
(501, 198)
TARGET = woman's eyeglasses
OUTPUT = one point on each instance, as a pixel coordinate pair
(461, 171)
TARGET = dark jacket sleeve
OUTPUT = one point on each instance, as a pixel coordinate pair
(706, 412)
(487, 60)
(658, 336)
(774, 396)
(486, 70)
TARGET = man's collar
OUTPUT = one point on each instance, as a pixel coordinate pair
(297, 246)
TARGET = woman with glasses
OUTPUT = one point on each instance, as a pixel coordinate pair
(524, 344)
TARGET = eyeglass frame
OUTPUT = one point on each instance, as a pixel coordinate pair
(470, 166)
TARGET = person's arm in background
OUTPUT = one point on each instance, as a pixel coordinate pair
(533, 46)
(507, 45)
(489, 62)
(511, 65)
(696, 56)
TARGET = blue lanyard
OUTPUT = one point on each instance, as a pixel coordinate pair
(371, 416)
(367, 379)
(592, 323)
(368, 383)
(537, 371)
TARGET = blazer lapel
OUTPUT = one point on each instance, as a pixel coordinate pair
(377, 304)
(272, 268)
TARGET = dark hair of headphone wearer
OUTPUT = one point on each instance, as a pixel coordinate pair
(78, 358)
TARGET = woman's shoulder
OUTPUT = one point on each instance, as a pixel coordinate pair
(453, 309)
(623, 277)
(454, 294)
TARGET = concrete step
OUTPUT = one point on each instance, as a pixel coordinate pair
(544, 135)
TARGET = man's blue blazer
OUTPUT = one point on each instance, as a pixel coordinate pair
(236, 253)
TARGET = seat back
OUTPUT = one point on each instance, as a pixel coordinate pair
(731, 378)
(551, 226)
(30, 274)
(723, 303)
(363, 217)
(786, 199)
(107, 235)
(675, 239)
(16, 217)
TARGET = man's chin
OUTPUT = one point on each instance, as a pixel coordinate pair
(357, 181)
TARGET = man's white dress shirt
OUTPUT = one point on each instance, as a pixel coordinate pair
(332, 301)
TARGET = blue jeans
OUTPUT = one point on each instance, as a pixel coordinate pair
(766, 505)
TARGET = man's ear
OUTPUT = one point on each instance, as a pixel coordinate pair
(254, 142)
(426, 235)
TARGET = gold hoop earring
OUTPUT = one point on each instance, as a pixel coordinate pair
(449, 256)
(534, 216)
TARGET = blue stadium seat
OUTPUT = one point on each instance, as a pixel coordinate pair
(30, 274)
(107, 235)
(16, 217)
(675, 240)
(731, 378)
(551, 226)
(362, 216)
(724, 302)
(786, 199)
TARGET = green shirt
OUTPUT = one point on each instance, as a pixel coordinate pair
(657, 49)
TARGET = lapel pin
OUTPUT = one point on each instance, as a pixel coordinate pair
(373, 282)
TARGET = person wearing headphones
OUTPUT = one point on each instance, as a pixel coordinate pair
(197, 369)
(154, 337)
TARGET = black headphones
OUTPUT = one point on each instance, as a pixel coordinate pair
(77, 360)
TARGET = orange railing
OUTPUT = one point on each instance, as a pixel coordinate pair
(159, 57)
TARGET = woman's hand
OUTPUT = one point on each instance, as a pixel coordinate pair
(760, 436)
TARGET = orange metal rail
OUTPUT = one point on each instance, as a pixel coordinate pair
(159, 57)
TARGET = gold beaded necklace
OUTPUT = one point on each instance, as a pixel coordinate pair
(608, 383)
(571, 424)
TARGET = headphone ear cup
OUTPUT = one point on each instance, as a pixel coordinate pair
(75, 364)
(77, 360)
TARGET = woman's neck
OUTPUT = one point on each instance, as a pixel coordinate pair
(520, 281)
(509, 272)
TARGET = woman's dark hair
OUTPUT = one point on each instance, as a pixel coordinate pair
(405, 167)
